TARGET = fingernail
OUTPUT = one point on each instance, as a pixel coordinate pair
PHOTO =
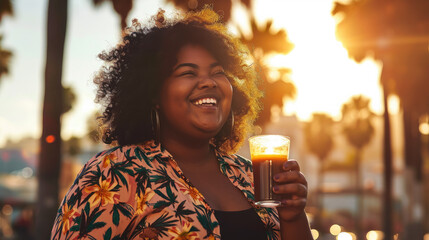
(276, 188)
(276, 178)
(285, 166)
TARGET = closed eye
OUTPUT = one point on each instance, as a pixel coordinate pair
(188, 73)
(218, 70)
(220, 73)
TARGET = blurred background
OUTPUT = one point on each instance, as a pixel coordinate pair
(346, 80)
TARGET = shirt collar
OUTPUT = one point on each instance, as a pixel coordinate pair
(157, 150)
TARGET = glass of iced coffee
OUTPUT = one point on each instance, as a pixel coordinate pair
(268, 153)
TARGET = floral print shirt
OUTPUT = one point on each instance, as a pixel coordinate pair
(139, 192)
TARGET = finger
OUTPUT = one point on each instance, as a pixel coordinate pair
(298, 203)
(291, 165)
(299, 190)
(290, 177)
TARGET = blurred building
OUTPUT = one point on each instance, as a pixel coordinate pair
(18, 183)
(17, 171)
(18, 186)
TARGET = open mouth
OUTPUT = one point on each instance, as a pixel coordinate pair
(205, 102)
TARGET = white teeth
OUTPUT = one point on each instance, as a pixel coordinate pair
(206, 101)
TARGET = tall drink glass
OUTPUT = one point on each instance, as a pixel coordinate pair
(268, 152)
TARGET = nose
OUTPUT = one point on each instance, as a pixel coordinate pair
(207, 82)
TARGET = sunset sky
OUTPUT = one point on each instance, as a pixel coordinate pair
(324, 75)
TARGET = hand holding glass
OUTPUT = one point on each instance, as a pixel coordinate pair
(268, 152)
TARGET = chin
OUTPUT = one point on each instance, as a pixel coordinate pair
(214, 130)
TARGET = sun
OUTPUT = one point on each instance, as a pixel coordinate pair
(323, 73)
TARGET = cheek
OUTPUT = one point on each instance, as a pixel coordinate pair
(174, 92)
(175, 100)
(228, 92)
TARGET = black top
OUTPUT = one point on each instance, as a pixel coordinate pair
(245, 224)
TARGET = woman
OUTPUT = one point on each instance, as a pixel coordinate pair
(179, 98)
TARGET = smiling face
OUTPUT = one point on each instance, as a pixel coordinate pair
(196, 99)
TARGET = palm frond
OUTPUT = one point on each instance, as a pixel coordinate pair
(6, 8)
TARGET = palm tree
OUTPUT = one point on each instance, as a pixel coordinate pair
(395, 33)
(6, 8)
(319, 141)
(264, 41)
(92, 127)
(276, 91)
(50, 153)
(69, 99)
(121, 7)
(357, 126)
(5, 55)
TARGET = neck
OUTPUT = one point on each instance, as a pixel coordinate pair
(188, 151)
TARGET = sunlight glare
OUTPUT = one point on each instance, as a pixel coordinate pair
(7, 210)
(394, 104)
(321, 69)
(335, 229)
(346, 236)
(424, 125)
(374, 235)
(315, 233)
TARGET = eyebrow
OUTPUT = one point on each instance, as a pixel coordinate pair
(192, 65)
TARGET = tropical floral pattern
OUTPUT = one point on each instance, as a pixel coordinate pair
(139, 192)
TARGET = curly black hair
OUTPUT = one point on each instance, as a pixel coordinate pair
(129, 83)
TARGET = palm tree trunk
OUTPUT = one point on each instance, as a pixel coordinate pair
(50, 154)
(359, 195)
(413, 160)
(320, 187)
(319, 196)
(387, 160)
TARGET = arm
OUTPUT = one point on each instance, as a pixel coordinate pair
(293, 220)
